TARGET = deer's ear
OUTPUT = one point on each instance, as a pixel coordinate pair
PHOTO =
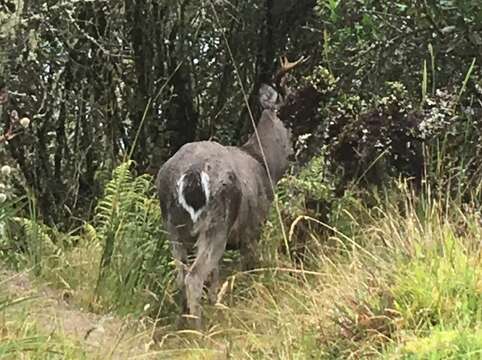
(3, 95)
(268, 97)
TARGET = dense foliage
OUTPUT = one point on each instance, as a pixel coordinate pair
(103, 78)
(100, 79)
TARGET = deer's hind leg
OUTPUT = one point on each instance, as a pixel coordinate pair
(213, 285)
(179, 252)
(210, 249)
(179, 241)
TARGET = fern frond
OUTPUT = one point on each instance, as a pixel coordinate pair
(128, 224)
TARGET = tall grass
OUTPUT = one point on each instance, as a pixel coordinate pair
(405, 282)
(413, 291)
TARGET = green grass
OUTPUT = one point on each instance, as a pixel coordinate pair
(441, 286)
(441, 345)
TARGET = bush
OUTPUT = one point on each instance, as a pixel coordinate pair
(398, 91)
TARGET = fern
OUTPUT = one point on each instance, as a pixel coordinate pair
(135, 253)
(90, 233)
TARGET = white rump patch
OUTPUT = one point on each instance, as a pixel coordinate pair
(205, 188)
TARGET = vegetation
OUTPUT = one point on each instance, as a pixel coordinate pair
(381, 257)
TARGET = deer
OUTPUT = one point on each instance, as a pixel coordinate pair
(215, 197)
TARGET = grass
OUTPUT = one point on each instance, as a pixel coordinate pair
(444, 344)
(21, 338)
(414, 291)
(403, 280)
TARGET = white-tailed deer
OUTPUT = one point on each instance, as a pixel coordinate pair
(214, 196)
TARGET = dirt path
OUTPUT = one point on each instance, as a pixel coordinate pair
(101, 336)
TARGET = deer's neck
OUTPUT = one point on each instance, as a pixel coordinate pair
(275, 140)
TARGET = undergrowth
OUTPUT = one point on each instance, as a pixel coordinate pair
(119, 262)
(393, 275)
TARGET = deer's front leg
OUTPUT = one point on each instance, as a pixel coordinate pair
(249, 248)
